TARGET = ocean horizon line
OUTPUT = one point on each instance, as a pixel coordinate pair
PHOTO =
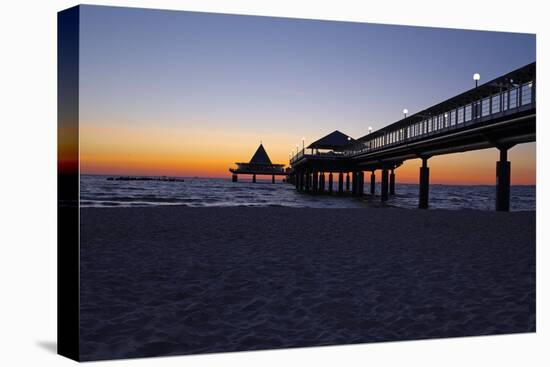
(268, 179)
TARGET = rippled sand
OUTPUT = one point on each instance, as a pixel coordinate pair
(177, 280)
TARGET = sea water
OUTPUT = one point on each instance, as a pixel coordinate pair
(98, 191)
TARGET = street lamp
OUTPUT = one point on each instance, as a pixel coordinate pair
(405, 111)
(370, 129)
(476, 78)
(303, 144)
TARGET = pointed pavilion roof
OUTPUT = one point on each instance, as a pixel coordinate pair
(336, 140)
(260, 157)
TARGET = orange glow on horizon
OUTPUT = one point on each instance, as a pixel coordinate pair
(171, 152)
(205, 153)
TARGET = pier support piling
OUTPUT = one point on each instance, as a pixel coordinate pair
(272, 178)
(503, 181)
(354, 183)
(347, 182)
(308, 181)
(234, 178)
(254, 178)
(372, 183)
(315, 185)
(392, 182)
(424, 185)
(330, 183)
(384, 184)
(322, 182)
(361, 181)
(340, 183)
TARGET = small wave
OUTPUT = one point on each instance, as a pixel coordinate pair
(219, 192)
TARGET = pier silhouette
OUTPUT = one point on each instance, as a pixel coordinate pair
(498, 114)
(260, 164)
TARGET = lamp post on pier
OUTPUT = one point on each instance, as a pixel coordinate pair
(476, 78)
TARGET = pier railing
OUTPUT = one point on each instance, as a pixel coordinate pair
(510, 99)
(515, 99)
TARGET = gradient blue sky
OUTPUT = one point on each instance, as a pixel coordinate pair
(271, 76)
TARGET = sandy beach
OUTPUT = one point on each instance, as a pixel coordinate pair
(178, 280)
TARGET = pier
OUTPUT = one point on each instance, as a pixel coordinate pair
(498, 114)
(260, 164)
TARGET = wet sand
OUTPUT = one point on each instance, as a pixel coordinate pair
(178, 280)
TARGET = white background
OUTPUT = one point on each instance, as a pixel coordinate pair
(28, 182)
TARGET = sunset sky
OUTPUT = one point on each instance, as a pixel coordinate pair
(189, 94)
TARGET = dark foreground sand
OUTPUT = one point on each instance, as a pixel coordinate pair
(177, 280)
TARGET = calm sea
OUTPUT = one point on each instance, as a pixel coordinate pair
(97, 191)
